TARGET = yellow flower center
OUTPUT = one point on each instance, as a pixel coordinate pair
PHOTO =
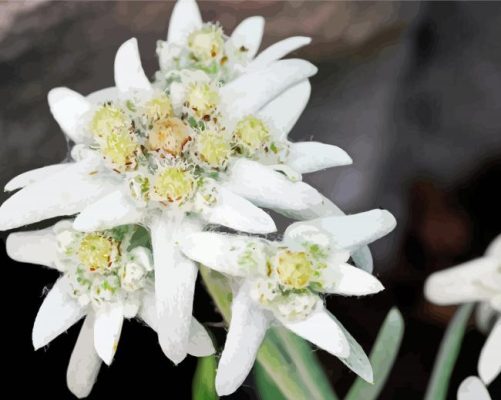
(207, 43)
(108, 119)
(213, 148)
(120, 148)
(294, 269)
(251, 134)
(169, 135)
(173, 184)
(202, 99)
(158, 108)
(97, 252)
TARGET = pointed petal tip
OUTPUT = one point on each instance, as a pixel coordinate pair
(77, 391)
(224, 388)
(129, 73)
(176, 355)
(387, 220)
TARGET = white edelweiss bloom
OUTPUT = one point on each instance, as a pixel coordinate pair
(103, 280)
(283, 282)
(478, 280)
(209, 160)
(193, 44)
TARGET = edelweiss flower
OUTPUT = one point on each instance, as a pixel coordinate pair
(284, 281)
(477, 280)
(174, 161)
(106, 277)
(192, 44)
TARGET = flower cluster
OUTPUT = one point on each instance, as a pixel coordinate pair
(101, 268)
(205, 49)
(169, 146)
(153, 166)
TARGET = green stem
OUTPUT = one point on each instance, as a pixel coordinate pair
(448, 354)
(278, 366)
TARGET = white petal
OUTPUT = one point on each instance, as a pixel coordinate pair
(199, 345)
(63, 193)
(129, 73)
(307, 157)
(57, 313)
(351, 281)
(103, 95)
(494, 248)
(362, 258)
(357, 361)
(484, 317)
(175, 277)
(67, 108)
(35, 175)
(465, 283)
(284, 111)
(322, 330)
(346, 231)
(235, 212)
(472, 388)
(107, 329)
(223, 252)
(249, 92)
(185, 19)
(33, 247)
(277, 51)
(84, 362)
(109, 211)
(249, 34)
(248, 326)
(489, 364)
(270, 189)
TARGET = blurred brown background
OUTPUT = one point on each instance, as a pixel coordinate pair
(411, 90)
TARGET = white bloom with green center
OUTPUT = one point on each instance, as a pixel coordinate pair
(156, 131)
(478, 280)
(283, 282)
(193, 44)
(104, 280)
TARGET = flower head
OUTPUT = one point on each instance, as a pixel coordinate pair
(285, 282)
(106, 278)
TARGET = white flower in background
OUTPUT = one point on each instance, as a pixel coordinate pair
(476, 281)
(193, 44)
(472, 388)
(175, 161)
(105, 278)
(283, 282)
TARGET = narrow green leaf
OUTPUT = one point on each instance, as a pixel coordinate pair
(307, 364)
(383, 355)
(265, 386)
(448, 354)
(203, 387)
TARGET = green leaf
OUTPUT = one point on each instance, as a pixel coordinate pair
(265, 386)
(203, 386)
(383, 355)
(448, 354)
(307, 364)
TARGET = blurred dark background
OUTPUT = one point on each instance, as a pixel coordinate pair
(411, 90)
